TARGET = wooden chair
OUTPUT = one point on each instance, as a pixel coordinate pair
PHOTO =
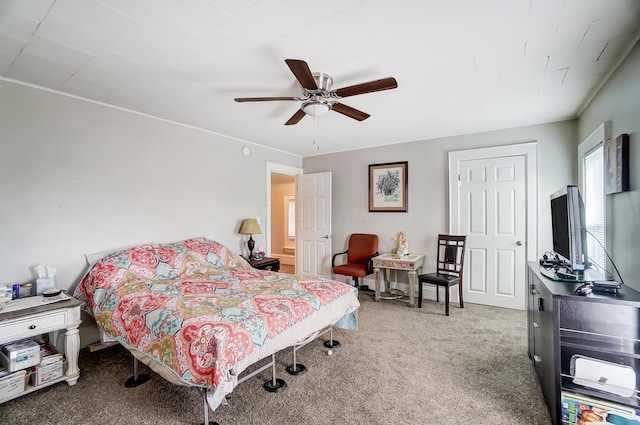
(361, 249)
(449, 261)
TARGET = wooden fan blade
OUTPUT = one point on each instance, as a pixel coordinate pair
(262, 99)
(349, 111)
(368, 87)
(296, 117)
(302, 72)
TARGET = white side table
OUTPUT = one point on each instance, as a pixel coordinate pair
(42, 319)
(388, 261)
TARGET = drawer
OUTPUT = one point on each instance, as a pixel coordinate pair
(34, 325)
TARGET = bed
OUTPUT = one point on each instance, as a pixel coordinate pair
(198, 314)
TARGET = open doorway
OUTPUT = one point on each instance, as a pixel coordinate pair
(282, 231)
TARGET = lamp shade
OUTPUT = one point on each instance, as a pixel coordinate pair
(250, 226)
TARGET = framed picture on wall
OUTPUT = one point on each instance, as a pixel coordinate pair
(388, 187)
(616, 164)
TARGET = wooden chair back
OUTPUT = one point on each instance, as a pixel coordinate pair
(450, 254)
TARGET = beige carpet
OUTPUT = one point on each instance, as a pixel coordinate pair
(404, 366)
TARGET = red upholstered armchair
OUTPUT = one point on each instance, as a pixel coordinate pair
(361, 249)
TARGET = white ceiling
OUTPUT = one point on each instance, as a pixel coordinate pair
(462, 66)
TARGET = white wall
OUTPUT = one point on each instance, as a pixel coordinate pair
(78, 177)
(619, 102)
(428, 184)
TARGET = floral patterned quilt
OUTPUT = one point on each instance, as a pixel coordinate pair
(197, 307)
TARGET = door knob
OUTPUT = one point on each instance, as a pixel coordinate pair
(325, 237)
(518, 243)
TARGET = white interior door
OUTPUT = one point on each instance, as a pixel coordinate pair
(313, 224)
(489, 205)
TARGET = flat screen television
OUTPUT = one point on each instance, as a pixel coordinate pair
(569, 228)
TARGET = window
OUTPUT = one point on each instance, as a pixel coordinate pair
(593, 179)
(290, 222)
(591, 175)
(291, 205)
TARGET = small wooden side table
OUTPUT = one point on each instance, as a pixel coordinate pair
(411, 263)
(266, 263)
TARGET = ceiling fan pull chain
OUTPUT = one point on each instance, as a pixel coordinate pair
(316, 132)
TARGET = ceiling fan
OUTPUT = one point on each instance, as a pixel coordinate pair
(317, 96)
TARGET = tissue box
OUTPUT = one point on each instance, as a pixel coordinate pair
(20, 355)
(12, 384)
(42, 374)
(44, 283)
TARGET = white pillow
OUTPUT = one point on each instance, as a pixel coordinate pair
(97, 256)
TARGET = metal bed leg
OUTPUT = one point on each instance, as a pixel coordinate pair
(296, 369)
(206, 409)
(332, 343)
(275, 385)
(136, 379)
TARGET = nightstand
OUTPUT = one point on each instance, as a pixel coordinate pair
(43, 319)
(266, 263)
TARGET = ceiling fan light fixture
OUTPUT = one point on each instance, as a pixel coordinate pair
(316, 108)
(318, 97)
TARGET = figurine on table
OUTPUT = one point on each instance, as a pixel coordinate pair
(259, 255)
(402, 246)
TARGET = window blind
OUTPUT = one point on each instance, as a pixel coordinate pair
(594, 201)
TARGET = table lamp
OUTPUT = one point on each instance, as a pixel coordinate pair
(250, 227)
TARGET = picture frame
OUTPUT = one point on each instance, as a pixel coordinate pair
(388, 187)
(616, 164)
